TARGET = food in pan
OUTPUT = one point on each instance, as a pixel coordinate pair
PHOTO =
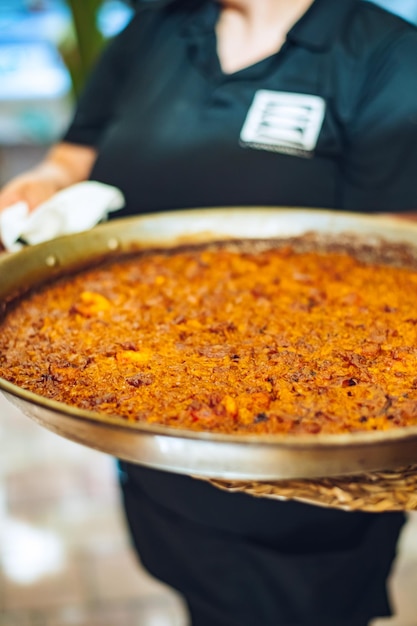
(236, 338)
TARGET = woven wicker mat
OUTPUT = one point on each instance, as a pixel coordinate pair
(373, 491)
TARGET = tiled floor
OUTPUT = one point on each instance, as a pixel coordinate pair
(64, 554)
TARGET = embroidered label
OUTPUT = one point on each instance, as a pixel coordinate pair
(284, 122)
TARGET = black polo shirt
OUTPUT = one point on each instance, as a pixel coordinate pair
(328, 121)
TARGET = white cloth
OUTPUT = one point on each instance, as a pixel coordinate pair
(72, 210)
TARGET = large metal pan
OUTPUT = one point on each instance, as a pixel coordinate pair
(209, 455)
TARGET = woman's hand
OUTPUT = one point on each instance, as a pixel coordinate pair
(65, 165)
(32, 187)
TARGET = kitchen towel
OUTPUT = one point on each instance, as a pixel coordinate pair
(72, 210)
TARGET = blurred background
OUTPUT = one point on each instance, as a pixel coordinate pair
(65, 558)
(47, 48)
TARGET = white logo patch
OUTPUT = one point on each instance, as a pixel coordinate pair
(284, 122)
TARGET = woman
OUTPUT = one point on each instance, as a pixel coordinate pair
(298, 103)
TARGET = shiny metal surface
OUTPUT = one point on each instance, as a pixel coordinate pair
(204, 454)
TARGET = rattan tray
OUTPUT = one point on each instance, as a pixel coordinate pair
(374, 492)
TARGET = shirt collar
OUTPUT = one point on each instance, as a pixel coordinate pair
(320, 24)
(316, 30)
